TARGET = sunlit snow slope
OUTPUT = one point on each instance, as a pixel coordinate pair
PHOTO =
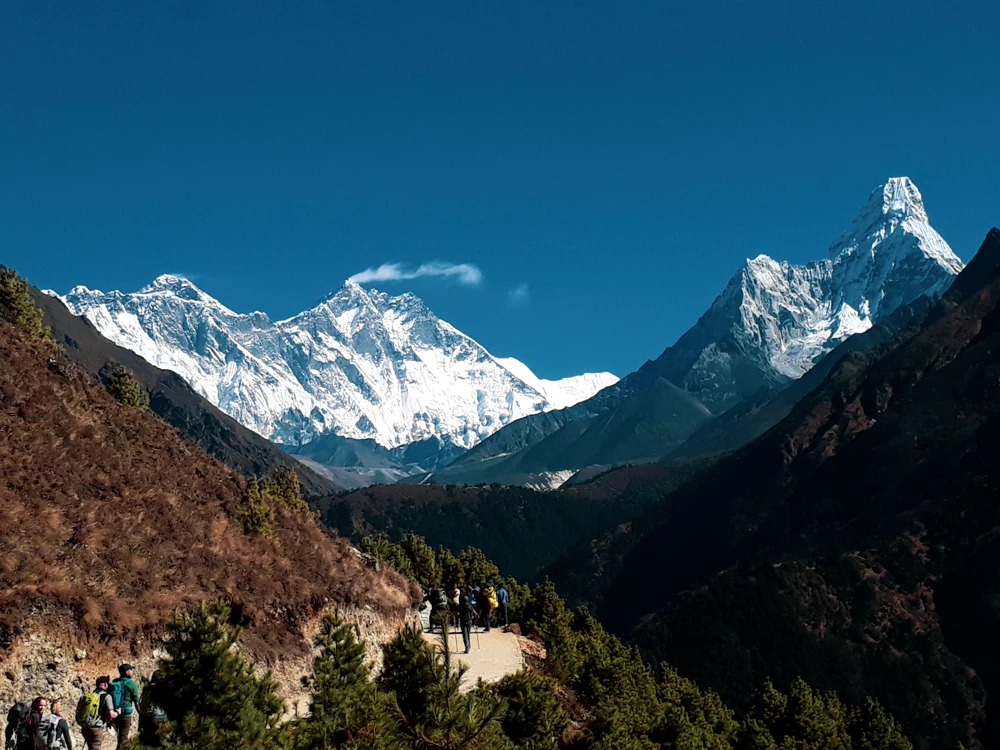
(361, 364)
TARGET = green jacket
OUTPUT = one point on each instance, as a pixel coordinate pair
(130, 695)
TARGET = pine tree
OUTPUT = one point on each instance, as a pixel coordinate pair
(871, 728)
(534, 719)
(126, 389)
(451, 570)
(422, 559)
(428, 710)
(691, 717)
(17, 307)
(253, 511)
(343, 708)
(282, 484)
(211, 696)
(477, 569)
(378, 546)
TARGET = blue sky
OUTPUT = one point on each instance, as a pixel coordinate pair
(604, 166)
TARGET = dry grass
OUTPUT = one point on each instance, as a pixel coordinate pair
(109, 516)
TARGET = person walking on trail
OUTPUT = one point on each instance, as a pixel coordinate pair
(50, 730)
(95, 713)
(490, 595)
(151, 715)
(439, 609)
(474, 603)
(17, 733)
(502, 600)
(465, 617)
(125, 696)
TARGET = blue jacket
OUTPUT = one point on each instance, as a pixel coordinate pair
(502, 596)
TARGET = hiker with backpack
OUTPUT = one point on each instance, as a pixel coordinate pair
(49, 730)
(17, 734)
(95, 713)
(490, 604)
(125, 698)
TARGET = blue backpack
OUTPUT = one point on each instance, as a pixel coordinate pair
(117, 692)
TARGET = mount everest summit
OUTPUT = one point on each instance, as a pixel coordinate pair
(360, 364)
(773, 322)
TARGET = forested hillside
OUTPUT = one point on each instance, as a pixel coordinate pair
(853, 544)
(521, 529)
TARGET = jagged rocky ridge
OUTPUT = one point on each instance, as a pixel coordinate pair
(771, 324)
(361, 364)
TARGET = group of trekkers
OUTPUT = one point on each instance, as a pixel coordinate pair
(468, 606)
(108, 712)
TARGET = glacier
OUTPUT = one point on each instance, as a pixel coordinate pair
(360, 364)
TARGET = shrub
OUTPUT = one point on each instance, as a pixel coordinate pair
(123, 386)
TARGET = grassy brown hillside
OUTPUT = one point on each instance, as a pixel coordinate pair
(173, 400)
(111, 520)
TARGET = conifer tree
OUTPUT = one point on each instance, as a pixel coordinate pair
(126, 389)
(343, 707)
(253, 512)
(210, 694)
(871, 728)
(428, 710)
(534, 719)
(451, 570)
(378, 546)
(282, 484)
(17, 307)
(476, 567)
(423, 561)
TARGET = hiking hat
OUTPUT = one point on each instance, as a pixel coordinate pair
(122, 669)
(102, 678)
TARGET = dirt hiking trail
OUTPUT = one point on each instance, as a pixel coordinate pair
(493, 654)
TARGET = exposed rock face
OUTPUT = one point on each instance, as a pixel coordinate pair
(50, 662)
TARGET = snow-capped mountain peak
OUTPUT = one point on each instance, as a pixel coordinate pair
(777, 319)
(360, 363)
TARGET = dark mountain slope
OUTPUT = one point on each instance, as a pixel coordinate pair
(755, 415)
(520, 529)
(856, 543)
(173, 400)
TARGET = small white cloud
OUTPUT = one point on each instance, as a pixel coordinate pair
(518, 295)
(463, 273)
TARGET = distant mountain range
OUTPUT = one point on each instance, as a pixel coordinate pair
(773, 322)
(360, 365)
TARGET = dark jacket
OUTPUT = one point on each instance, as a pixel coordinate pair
(465, 609)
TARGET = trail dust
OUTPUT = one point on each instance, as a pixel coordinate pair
(493, 654)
